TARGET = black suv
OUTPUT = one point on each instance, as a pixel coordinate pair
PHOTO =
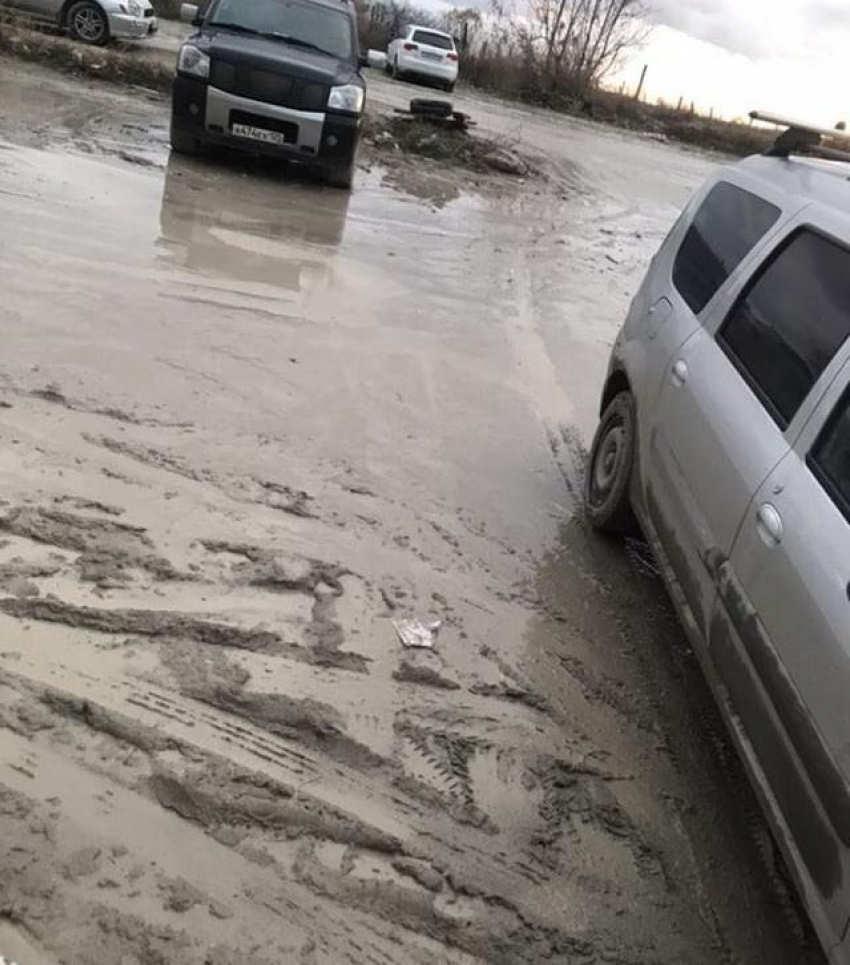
(278, 77)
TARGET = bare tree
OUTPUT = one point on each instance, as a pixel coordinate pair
(584, 40)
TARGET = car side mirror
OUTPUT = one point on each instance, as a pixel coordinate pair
(190, 13)
(376, 59)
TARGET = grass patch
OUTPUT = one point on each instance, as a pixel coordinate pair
(675, 125)
(129, 67)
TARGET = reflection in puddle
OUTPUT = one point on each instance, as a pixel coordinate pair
(250, 224)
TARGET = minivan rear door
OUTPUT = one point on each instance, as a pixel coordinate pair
(786, 592)
(708, 440)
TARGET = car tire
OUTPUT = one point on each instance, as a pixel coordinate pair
(182, 143)
(87, 22)
(341, 175)
(431, 108)
(450, 87)
(607, 496)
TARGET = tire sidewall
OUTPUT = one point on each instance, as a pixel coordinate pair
(89, 4)
(613, 512)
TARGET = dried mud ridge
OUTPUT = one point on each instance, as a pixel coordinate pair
(265, 492)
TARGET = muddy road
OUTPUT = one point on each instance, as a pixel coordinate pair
(246, 423)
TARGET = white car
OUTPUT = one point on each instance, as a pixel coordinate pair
(426, 53)
(92, 21)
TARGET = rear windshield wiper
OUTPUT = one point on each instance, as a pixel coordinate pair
(298, 42)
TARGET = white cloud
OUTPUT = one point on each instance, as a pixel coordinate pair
(785, 56)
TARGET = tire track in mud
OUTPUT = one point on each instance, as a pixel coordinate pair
(278, 777)
(251, 490)
(107, 548)
(225, 800)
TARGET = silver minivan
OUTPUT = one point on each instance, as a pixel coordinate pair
(725, 434)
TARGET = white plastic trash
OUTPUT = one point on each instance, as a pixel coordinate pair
(415, 633)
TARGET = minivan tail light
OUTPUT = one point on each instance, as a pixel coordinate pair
(451, 56)
(410, 46)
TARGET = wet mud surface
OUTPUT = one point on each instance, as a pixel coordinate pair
(247, 422)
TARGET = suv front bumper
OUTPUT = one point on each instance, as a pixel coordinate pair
(204, 112)
(125, 27)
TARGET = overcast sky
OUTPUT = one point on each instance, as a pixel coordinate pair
(736, 55)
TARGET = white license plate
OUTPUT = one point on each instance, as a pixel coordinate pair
(258, 134)
(428, 56)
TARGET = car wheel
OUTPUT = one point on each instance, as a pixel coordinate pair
(88, 22)
(609, 472)
(183, 143)
(341, 175)
(450, 87)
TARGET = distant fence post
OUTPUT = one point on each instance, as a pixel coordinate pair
(642, 80)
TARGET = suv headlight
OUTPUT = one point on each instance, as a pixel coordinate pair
(347, 98)
(193, 61)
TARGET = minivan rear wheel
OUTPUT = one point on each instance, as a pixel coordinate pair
(609, 472)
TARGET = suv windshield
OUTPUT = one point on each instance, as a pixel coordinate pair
(304, 24)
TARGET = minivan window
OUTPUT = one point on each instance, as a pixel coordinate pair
(790, 322)
(830, 458)
(309, 24)
(430, 39)
(728, 225)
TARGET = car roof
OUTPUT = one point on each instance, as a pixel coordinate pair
(345, 5)
(808, 179)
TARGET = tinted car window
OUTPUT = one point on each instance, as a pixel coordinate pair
(831, 456)
(306, 23)
(433, 40)
(726, 228)
(788, 325)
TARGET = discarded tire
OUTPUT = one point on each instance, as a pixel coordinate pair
(431, 108)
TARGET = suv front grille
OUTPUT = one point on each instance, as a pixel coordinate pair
(268, 87)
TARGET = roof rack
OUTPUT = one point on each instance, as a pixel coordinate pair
(806, 139)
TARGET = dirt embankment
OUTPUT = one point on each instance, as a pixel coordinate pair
(122, 65)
